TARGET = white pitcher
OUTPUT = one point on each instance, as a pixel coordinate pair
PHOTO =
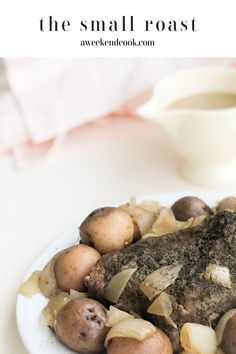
(205, 139)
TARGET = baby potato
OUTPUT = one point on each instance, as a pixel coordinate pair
(80, 325)
(73, 265)
(229, 337)
(228, 203)
(159, 343)
(190, 207)
(107, 229)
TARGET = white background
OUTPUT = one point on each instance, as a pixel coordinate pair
(20, 34)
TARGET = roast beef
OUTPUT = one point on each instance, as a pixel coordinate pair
(197, 299)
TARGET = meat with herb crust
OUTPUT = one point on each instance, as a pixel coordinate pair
(197, 299)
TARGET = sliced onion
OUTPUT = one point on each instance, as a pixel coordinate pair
(181, 225)
(191, 222)
(198, 339)
(53, 307)
(159, 280)
(131, 206)
(151, 205)
(137, 211)
(219, 275)
(132, 203)
(162, 306)
(149, 234)
(145, 221)
(117, 285)
(143, 214)
(74, 295)
(134, 209)
(134, 328)
(165, 222)
(198, 220)
(30, 287)
(115, 316)
(47, 280)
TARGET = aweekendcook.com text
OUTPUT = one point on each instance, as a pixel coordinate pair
(117, 43)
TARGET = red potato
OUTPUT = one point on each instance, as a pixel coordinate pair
(190, 207)
(73, 265)
(107, 229)
(80, 325)
(159, 343)
(229, 337)
(228, 203)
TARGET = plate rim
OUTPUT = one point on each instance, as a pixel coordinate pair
(205, 194)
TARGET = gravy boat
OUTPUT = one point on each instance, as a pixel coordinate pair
(204, 139)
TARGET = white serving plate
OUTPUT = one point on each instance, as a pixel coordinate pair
(36, 336)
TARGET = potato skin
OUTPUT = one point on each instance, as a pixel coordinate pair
(107, 229)
(229, 337)
(73, 265)
(80, 325)
(159, 343)
(228, 203)
(188, 207)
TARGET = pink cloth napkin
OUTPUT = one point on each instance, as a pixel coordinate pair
(43, 99)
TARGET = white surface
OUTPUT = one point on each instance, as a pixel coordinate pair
(215, 23)
(39, 339)
(102, 165)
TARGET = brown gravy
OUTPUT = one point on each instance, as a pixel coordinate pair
(211, 100)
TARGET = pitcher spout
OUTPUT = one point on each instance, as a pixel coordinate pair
(148, 110)
(151, 111)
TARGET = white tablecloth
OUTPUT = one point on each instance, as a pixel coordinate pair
(102, 165)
